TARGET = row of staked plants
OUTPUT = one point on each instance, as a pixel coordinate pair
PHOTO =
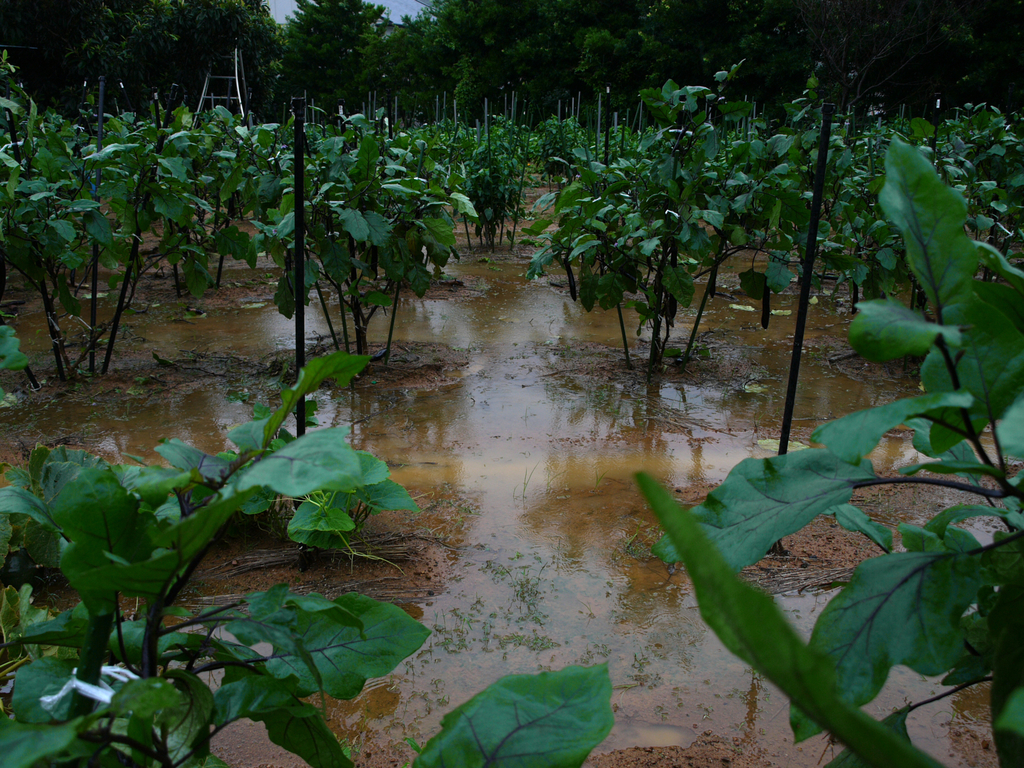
(948, 603)
(708, 183)
(705, 182)
(71, 210)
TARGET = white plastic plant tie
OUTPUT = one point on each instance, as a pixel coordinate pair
(102, 693)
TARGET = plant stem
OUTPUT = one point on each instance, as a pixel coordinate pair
(625, 343)
(94, 650)
(391, 328)
(327, 315)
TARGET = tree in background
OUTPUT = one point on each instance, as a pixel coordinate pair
(144, 44)
(323, 51)
(864, 47)
(690, 42)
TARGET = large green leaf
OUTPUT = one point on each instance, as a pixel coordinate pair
(320, 460)
(103, 522)
(854, 436)
(897, 722)
(346, 657)
(1010, 430)
(679, 283)
(10, 356)
(320, 525)
(387, 495)
(44, 677)
(855, 519)
(902, 608)
(750, 625)
(19, 501)
(991, 366)
(763, 500)
(338, 366)
(931, 218)
(291, 723)
(1006, 625)
(549, 720)
(182, 456)
(187, 723)
(885, 330)
(24, 745)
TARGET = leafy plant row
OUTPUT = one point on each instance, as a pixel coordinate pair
(947, 604)
(709, 182)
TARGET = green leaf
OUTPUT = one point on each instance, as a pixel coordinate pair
(145, 697)
(753, 283)
(679, 283)
(854, 436)
(387, 494)
(320, 460)
(931, 218)
(320, 526)
(187, 723)
(991, 366)
(182, 456)
(884, 330)
(441, 231)
(1003, 299)
(11, 356)
(354, 223)
(24, 745)
(763, 500)
(291, 723)
(1006, 625)
(1012, 716)
(526, 721)
(338, 366)
(750, 625)
(855, 519)
(902, 608)
(18, 501)
(44, 677)
(346, 657)
(896, 722)
(102, 520)
(1010, 430)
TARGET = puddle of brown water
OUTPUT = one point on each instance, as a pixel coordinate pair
(554, 570)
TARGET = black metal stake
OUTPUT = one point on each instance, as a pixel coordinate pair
(808, 269)
(299, 110)
(96, 245)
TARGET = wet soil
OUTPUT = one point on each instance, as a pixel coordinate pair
(181, 356)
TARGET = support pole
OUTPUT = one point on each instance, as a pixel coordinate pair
(299, 110)
(96, 245)
(808, 270)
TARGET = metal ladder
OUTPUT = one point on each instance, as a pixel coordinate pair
(226, 90)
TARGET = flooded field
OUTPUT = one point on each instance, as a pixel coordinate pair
(550, 545)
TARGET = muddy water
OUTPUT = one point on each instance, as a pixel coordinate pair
(553, 567)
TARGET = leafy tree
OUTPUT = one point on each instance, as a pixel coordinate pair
(145, 44)
(864, 46)
(322, 50)
(692, 41)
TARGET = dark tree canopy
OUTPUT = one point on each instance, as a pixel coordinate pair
(146, 44)
(869, 50)
(323, 50)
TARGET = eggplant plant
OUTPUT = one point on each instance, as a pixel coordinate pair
(947, 605)
(102, 685)
(378, 217)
